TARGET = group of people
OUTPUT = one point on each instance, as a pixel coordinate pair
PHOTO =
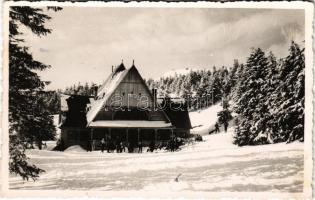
(217, 127)
(119, 146)
(174, 144)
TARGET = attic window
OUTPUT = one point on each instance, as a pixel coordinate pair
(140, 94)
(123, 94)
(131, 92)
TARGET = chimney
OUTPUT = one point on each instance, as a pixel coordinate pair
(112, 68)
(154, 93)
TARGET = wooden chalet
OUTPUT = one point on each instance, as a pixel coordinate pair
(122, 109)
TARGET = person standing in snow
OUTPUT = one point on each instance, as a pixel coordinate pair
(103, 145)
(108, 145)
(124, 146)
(217, 130)
(121, 145)
(226, 124)
(172, 144)
(118, 147)
(93, 145)
(152, 146)
(45, 145)
(130, 147)
(140, 147)
(89, 145)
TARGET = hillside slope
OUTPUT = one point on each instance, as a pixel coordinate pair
(203, 120)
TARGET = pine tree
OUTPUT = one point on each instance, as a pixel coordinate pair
(251, 105)
(27, 113)
(240, 77)
(271, 99)
(270, 87)
(289, 105)
(216, 86)
(203, 86)
(232, 80)
(187, 87)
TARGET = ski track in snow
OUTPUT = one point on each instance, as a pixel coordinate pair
(214, 165)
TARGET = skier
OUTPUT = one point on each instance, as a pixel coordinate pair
(108, 145)
(89, 145)
(217, 130)
(121, 147)
(172, 144)
(125, 145)
(118, 147)
(152, 146)
(45, 145)
(140, 147)
(160, 146)
(226, 124)
(130, 147)
(93, 145)
(39, 144)
(103, 145)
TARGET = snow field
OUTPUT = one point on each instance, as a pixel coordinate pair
(214, 165)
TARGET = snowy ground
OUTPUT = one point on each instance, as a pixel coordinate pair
(215, 165)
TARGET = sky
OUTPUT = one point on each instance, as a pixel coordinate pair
(86, 42)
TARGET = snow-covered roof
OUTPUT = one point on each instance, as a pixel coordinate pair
(130, 124)
(106, 90)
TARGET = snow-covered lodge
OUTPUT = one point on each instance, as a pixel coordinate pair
(122, 109)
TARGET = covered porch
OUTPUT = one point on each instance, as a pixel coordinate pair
(130, 132)
(130, 136)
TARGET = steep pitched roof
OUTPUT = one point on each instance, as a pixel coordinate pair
(106, 90)
(116, 71)
(179, 119)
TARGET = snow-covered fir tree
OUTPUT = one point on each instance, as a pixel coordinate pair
(289, 105)
(29, 117)
(270, 98)
(251, 106)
